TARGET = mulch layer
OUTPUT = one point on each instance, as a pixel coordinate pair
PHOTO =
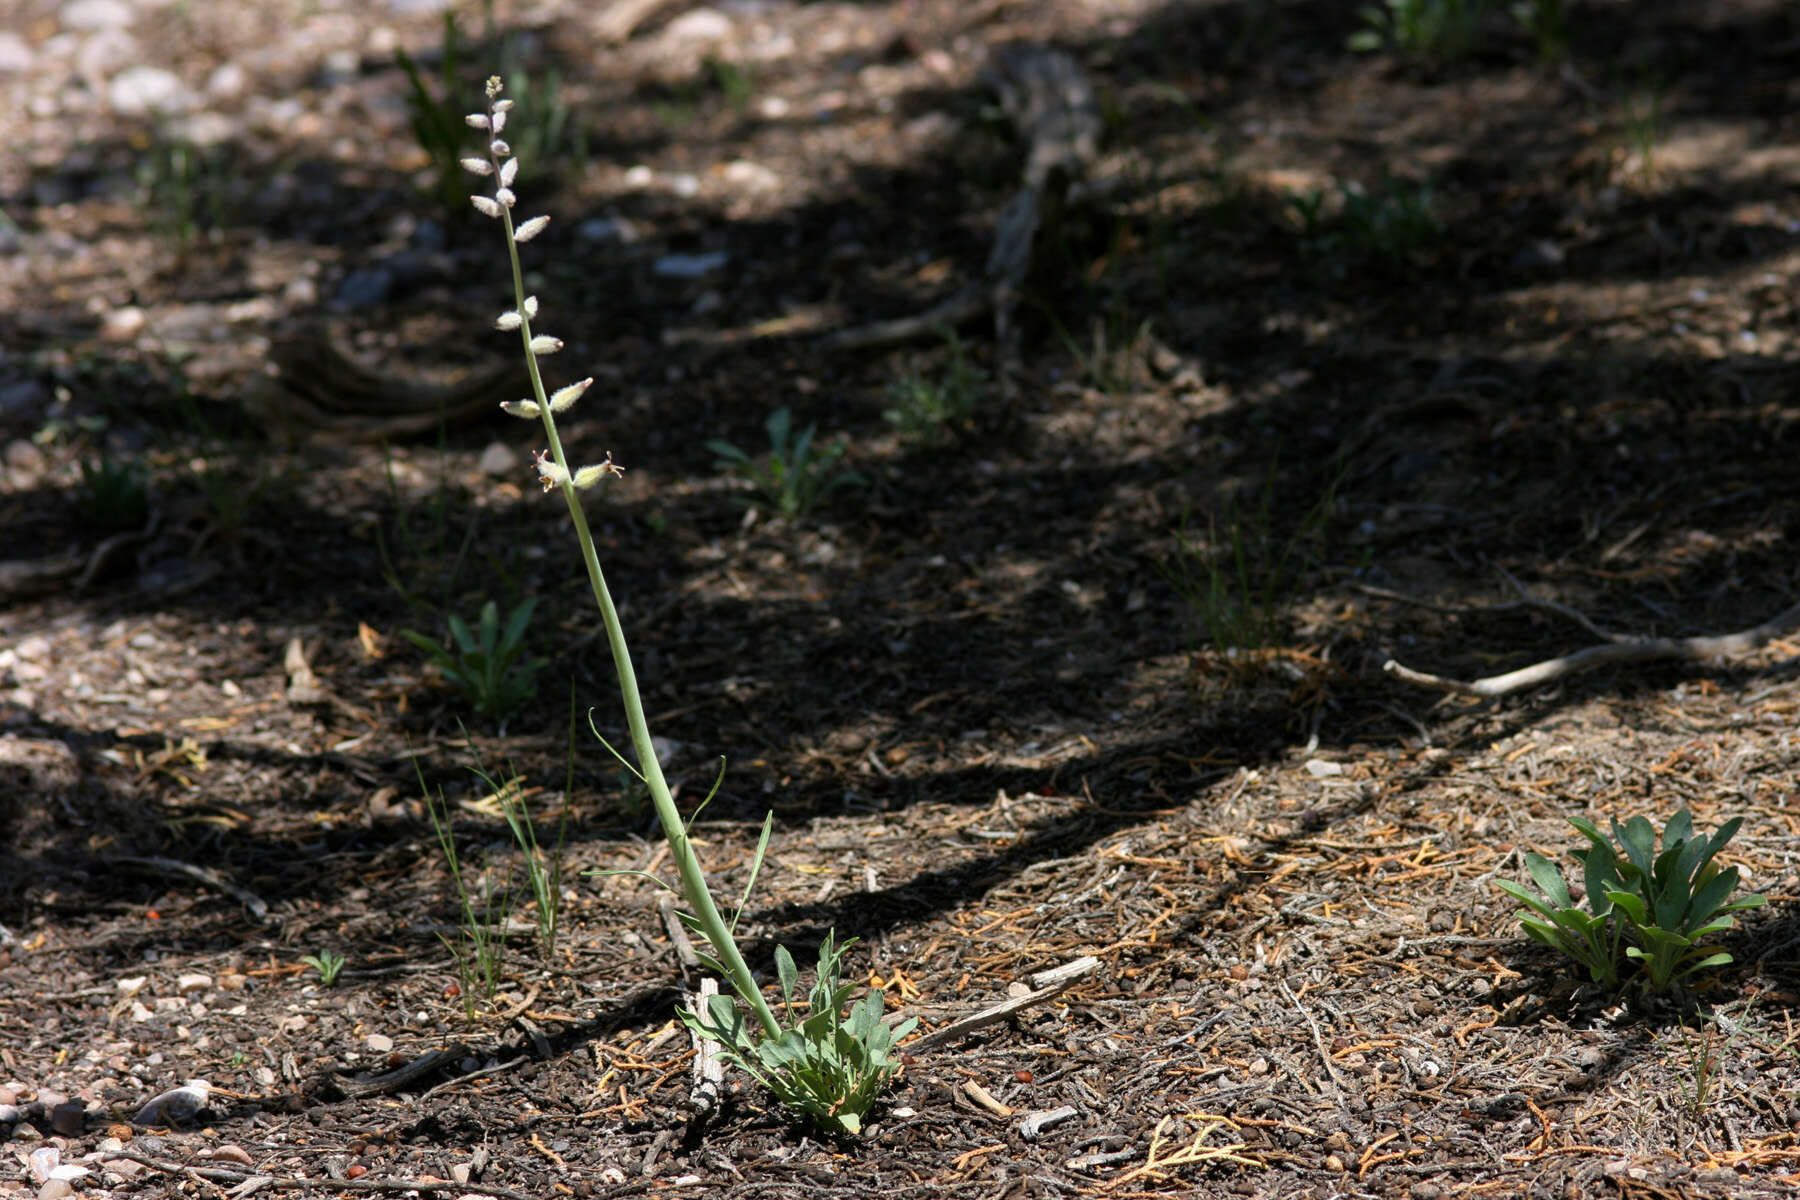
(1340, 359)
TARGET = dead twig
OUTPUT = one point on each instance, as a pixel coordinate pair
(169, 866)
(709, 1068)
(1317, 1036)
(1615, 648)
(1051, 984)
(1052, 103)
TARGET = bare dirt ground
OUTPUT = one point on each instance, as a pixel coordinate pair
(1553, 336)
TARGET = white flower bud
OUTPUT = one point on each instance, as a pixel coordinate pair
(550, 473)
(499, 121)
(587, 477)
(564, 398)
(531, 228)
(543, 344)
(477, 120)
(478, 166)
(506, 322)
(509, 171)
(485, 206)
(506, 198)
(500, 148)
(531, 308)
(501, 106)
(520, 408)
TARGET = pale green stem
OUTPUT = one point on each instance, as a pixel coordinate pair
(687, 863)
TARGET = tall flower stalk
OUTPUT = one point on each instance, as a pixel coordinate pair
(553, 472)
(820, 1064)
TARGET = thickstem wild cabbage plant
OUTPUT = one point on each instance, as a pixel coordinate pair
(835, 1076)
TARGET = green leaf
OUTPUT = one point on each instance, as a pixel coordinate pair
(756, 862)
(459, 632)
(729, 455)
(1549, 879)
(1711, 960)
(788, 975)
(1638, 837)
(1535, 903)
(437, 653)
(1632, 905)
(778, 424)
(1679, 829)
(516, 625)
(1711, 896)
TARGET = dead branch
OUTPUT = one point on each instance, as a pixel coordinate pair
(1051, 102)
(709, 1068)
(1050, 983)
(1617, 649)
(310, 388)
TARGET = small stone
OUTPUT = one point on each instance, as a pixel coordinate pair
(123, 324)
(194, 981)
(500, 459)
(15, 54)
(750, 176)
(227, 82)
(1542, 255)
(56, 1189)
(1333, 1163)
(87, 16)
(461, 1172)
(689, 266)
(607, 229)
(1425, 1190)
(232, 1152)
(42, 1161)
(142, 90)
(380, 1043)
(68, 1118)
(1319, 768)
(699, 25)
(24, 457)
(365, 287)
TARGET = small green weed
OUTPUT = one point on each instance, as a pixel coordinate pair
(793, 476)
(186, 190)
(1658, 907)
(1702, 1055)
(1547, 21)
(480, 951)
(1238, 577)
(543, 871)
(824, 1066)
(486, 664)
(1641, 122)
(547, 131)
(327, 964)
(929, 409)
(734, 82)
(1391, 227)
(114, 496)
(436, 124)
(1440, 30)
